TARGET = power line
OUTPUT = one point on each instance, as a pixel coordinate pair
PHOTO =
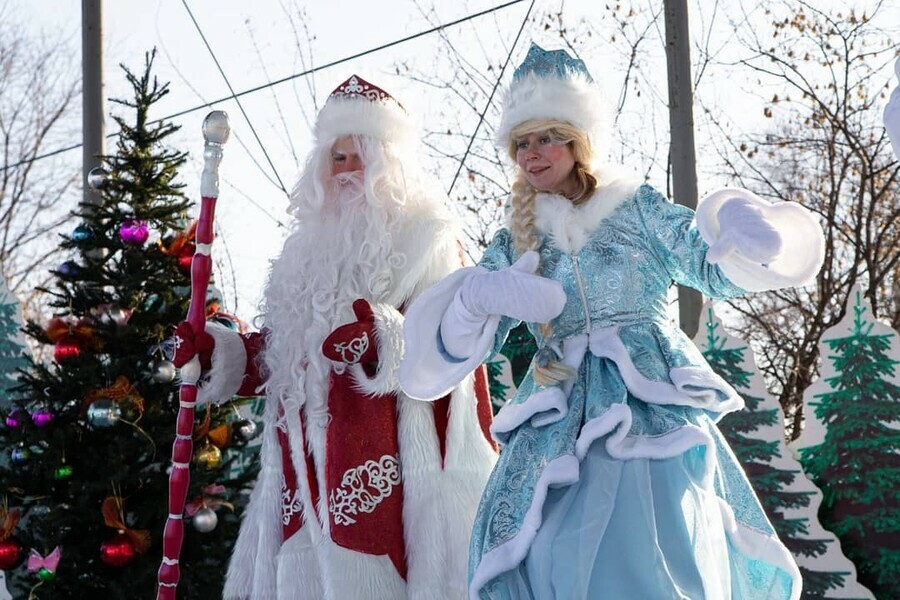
(290, 77)
(515, 43)
(231, 89)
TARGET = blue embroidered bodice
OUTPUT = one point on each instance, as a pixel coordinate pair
(622, 275)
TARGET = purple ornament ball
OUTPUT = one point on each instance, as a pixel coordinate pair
(134, 231)
(69, 270)
(42, 416)
(15, 418)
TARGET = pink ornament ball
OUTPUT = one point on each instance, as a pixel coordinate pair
(134, 232)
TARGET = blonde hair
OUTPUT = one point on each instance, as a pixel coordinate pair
(561, 133)
(521, 221)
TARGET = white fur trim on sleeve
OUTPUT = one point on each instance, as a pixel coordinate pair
(389, 337)
(229, 363)
(427, 371)
(803, 243)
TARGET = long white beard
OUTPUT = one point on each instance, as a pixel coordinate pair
(341, 249)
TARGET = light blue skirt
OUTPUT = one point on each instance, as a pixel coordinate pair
(642, 529)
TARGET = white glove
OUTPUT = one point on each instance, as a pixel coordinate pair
(744, 229)
(892, 115)
(513, 292)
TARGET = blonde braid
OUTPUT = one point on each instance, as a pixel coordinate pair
(522, 217)
(522, 228)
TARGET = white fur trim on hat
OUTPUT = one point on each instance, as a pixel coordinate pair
(574, 99)
(382, 119)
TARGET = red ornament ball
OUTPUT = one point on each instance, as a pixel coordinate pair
(117, 551)
(185, 258)
(66, 349)
(11, 554)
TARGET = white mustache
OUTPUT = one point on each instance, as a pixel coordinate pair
(352, 177)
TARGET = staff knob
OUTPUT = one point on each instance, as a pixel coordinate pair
(216, 128)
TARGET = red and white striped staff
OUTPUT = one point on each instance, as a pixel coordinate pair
(215, 134)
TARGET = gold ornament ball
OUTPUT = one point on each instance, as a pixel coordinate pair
(208, 457)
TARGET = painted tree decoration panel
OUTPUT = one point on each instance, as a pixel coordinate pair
(850, 444)
(791, 500)
(12, 343)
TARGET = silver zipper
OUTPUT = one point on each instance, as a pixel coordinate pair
(584, 304)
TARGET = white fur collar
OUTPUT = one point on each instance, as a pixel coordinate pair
(569, 226)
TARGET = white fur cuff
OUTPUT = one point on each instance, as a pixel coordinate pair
(389, 337)
(229, 362)
(803, 243)
(428, 372)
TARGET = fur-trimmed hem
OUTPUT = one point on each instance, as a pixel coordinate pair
(389, 337)
(548, 405)
(762, 546)
(692, 387)
(229, 363)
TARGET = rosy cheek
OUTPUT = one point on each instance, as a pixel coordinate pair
(554, 153)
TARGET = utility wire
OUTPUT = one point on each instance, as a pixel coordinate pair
(236, 99)
(515, 43)
(290, 77)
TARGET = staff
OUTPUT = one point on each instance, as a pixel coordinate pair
(215, 134)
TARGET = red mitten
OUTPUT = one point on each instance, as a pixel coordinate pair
(354, 342)
(188, 343)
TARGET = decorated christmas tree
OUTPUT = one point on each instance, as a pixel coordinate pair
(89, 435)
(790, 499)
(850, 444)
(11, 344)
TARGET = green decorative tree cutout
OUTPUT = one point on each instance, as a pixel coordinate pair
(507, 369)
(11, 342)
(790, 499)
(850, 445)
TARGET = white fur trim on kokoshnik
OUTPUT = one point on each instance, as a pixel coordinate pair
(553, 85)
(357, 107)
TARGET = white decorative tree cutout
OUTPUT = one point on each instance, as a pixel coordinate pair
(850, 444)
(790, 499)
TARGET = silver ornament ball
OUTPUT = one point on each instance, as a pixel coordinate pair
(205, 520)
(97, 178)
(244, 431)
(103, 413)
(164, 371)
(114, 315)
